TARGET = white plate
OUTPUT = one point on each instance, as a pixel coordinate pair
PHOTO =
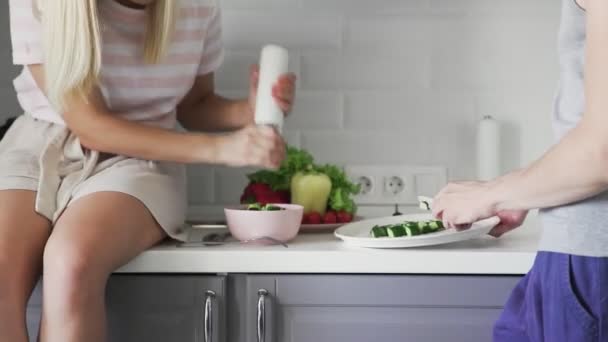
(357, 234)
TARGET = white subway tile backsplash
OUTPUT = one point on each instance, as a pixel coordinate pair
(389, 81)
(259, 4)
(364, 6)
(501, 6)
(398, 81)
(387, 34)
(292, 138)
(360, 147)
(253, 29)
(229, 184)
(490, 51)
(201, 185)
(234, 73)
(387, 111)
(453, 149)
(363, 71)
(316, 110)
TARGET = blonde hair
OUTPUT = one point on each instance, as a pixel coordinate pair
(72, 43)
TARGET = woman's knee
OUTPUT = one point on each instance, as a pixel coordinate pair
(70, 265)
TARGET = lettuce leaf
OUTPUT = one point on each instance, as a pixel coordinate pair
(340, 198)
(341, 201)
(342, 189)
(295, 161)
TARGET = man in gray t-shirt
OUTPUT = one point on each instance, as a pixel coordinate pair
(564, 296)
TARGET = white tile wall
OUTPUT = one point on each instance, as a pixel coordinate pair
(400, 81)
(388, 81)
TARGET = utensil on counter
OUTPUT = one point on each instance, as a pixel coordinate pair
(261, 239)
(221, 239)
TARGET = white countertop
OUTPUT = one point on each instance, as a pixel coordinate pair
(323, 253)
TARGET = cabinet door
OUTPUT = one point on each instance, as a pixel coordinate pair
(156, 308)
(165, 308)
(327, 308)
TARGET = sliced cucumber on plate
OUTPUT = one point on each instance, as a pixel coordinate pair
(378, 232)
(406, 229)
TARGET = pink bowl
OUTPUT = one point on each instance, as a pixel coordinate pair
(282, 225)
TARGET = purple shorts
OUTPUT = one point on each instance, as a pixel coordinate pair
(564, 298)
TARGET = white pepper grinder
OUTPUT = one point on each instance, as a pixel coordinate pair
(488, 149)
(274, 62)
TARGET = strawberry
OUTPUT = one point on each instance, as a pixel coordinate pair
(314, 218)
(263, 194)
(330, 217)
(268, 198)
(260, 187)
(284, 197)
(344, 217)
(248, 196)
(305, 219)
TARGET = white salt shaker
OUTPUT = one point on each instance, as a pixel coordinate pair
(488, 149)
(274, 62)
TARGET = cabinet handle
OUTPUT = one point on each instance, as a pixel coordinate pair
(209, 297)
(262, 294)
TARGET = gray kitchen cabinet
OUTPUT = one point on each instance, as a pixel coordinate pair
(324, 308)
(34, 309)
(157, 308)
(161, 308)
(301, 308)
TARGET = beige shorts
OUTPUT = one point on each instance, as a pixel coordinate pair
(45, 157)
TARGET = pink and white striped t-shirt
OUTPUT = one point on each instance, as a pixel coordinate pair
(132, 89)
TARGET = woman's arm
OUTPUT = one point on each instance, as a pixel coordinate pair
(575, 169)
(98, 129)
(203, 110)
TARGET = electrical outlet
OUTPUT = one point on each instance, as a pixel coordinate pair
(367, 177)
(365, 184)
(396, 184)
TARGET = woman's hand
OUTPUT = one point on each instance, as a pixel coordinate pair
(252, 146)
(284, 91)
(459, 205)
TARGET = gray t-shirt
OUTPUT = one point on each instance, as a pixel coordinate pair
(579, 228)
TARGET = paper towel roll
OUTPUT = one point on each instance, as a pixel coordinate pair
(274, 61)
(488, 149)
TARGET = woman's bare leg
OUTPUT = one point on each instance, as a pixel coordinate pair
(96, 235)
(23, 234)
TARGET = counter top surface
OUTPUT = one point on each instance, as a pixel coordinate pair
(512, 254)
